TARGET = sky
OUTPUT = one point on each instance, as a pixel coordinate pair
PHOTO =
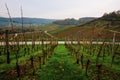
(58, 9)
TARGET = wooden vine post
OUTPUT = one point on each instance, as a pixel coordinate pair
(113, 49)
(87, 65)
(32, 64)
(7, 46)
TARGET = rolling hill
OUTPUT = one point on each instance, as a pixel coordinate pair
(103, 27)
(73, 21)
(4, 22)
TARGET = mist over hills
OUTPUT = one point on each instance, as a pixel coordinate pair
(4, 22)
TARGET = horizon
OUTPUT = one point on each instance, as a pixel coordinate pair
(50, 18)
(58, 9)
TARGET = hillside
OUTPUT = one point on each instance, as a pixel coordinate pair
(103, 27)
(108, 21)
(4, 22)
(50, 25)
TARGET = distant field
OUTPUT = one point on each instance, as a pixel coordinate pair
(57, 31)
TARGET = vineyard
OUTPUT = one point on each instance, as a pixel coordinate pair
(75, 48)
(20, 60)
(80, 58)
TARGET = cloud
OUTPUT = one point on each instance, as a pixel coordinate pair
(60, 8)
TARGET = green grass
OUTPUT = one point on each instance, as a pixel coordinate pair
(61, 66)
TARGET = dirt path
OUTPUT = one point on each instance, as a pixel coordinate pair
(60, 66)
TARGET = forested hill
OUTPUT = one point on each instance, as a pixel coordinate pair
(72, 21)
(108, 20)
(4, 22)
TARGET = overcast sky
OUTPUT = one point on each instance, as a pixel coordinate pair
(59, 9)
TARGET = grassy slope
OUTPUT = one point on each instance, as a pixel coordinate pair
(60, 66)
(49, 27)
(56, 31)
